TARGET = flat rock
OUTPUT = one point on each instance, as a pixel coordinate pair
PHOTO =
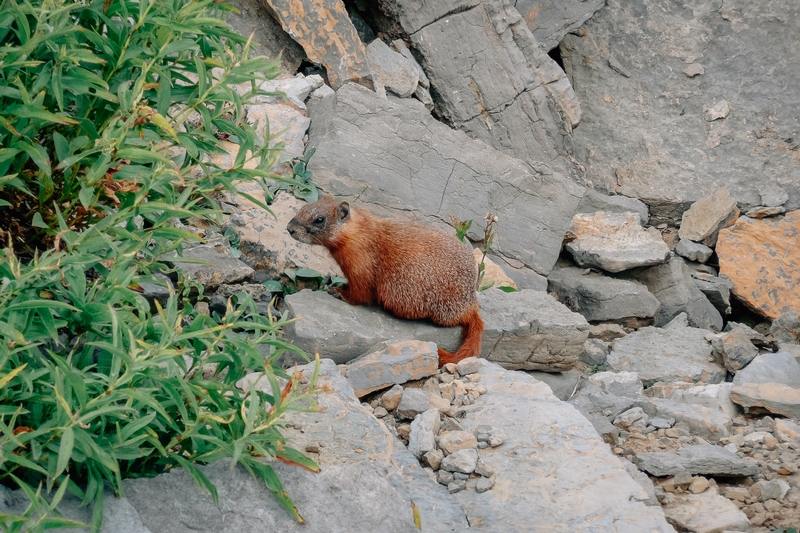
(786, 328)
(706, 513)
(703, 220)
(562, 384)
(645, 136)
(553, 467)
(762, 259)
(779, 367)
(707, 422)
(674, 287)
(313, 24)
(716, 397)
(396, 364)
(666, 355)
(773, 195)
(358, 137)
(703, 459)
(413, 402)
(342, 332)
(599, 297)
(615, 242)
(594, 201)
(773, 397)
(530, 330)
(422, 437)
(215, 265)
(734, 350)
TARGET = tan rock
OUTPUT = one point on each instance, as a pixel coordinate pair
(698, 485)
(492, 274)
(267, 246)
(396, 364)
(787, 430)
(762, 258)
(324, 30)
(703, 221)
(774, 397)
(452, 441)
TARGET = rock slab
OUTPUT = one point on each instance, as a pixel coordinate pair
(396, 364)
(703, 459)
(762, 259)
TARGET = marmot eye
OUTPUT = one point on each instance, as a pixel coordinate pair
(319, 220)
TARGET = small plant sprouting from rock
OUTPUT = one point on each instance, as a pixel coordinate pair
(300, 183)
(489, 233)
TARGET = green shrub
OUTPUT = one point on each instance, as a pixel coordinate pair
(109, 111)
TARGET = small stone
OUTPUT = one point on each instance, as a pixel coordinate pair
(453, 441)
(483, 470)
(765, 212)
(495, 441)
(463, 461)
(682, 479)
(412, 403)
(662, 423)
(444, 477)
(312, 447)
(444, 377)
(380, 412)
(738, 494)
(391, 398)
(718, 111)
(434, 459)
(695, 69)
(484, 484)
(606, 332)
(698, 485)
(468, 366)
(456, 486)
(403, 431)
(693, 251)
(450, 368)
(422, 435)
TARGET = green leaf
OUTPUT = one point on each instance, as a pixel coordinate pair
(65, 450)
(38, 221)
(273, 285)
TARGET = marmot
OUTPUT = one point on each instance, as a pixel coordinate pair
(413, 271)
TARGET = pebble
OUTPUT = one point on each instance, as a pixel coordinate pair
(484, 484)
(456, 486)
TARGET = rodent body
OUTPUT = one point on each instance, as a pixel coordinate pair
(411, 270)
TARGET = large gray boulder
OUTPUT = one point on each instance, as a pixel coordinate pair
(647, 73)
(490, 77)
(599, 297)
(419, 168)
(551, 21)
(705, 459)
(527, 330)
(542, 477)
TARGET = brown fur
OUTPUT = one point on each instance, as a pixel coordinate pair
(413, 271)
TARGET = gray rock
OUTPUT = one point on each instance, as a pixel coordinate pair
(358, 140)
(467, 366)
(772, 397)
(674, 287)
(562, 384)
(680, 321)
(422, 438)
(693, 251)
(463, 461)
(606, 332)
(599, 297)
(662, 423)
(716, 397)
(158, 290)
(621, 383)
(702, 221)
(343, 332)
(607, 431)
(786, 328)
(704, 459)
(391, 69)
(594, 353)
(551, 21)
(662, 151)
(615, 242)
(215, 264)
(452, 441)
(396, 364)
(592, 402)
(772, 489)
(514, 98)
(413, 403)
(706, 513)
(706, 422)
(632, 419)
(733, 350)
(716, 289)
(594, 201)
(764, 212)
(666, 355)
(530, 330)
(483, 485)
(525, 411)
(773, 195)
(645, 482)
(779, 367)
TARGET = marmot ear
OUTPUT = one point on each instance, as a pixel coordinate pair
(343, 211)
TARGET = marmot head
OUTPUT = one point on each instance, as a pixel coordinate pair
(319, 222)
